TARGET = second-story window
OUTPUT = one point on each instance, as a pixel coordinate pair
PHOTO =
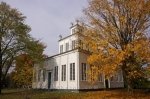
(80, 44)
(73, 30)
(67, 46)
(73, 44)
(61, 48)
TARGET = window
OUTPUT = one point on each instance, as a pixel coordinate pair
(72, 71)
(80, 30)
(44, 74)
(120, 76)
(61, 48)
(63, 75)
(80, 44)
(111, 78)
(87, 47)
(73, 44)
(84, 68)
(100, 78)
(114, 77)
(73, 30)
(67, 46)
(34, 75)
(39, 75)
(56, 73)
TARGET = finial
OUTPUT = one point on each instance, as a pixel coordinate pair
(60, 37)
(77, 21)
(71, 23)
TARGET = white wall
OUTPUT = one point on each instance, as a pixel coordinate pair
(63, 59)
(67, 40)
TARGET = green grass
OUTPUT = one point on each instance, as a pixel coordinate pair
(39, 94)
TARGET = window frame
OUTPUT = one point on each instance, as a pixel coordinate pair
(39, 75)
(61, 48)
(63, 73)
(56, 73)
(44, 74)
(100, 77)
(73, 44)
(72, 71)
(83, 71)
(67, 46)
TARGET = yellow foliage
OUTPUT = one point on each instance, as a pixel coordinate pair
(117, 37)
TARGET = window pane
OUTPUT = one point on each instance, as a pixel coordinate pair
(39, 75)
(61, 48)
(73, 44)
(34, 75)
(83, 71)
(100, 77)
(67, 46)
(44, 74)
(56, 73)
(64, 72)
(73, 71)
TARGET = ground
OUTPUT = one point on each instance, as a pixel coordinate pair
(104, 94)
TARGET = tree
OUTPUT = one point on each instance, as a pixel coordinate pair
(24, 67)
(117, 35)
(15, 39)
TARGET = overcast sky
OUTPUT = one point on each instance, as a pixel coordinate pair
(49, 18)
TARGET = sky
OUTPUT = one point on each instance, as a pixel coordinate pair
(49, 18)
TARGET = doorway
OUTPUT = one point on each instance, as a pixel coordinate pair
(49, 80)
(106, 83)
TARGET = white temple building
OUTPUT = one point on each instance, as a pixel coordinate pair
(67, 70)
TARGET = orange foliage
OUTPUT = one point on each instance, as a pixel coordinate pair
(23, 71)
(117, 37)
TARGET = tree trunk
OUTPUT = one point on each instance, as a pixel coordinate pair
(127, 83)
(0, 79)
(124, 79)
(0, 67)
(7, 68)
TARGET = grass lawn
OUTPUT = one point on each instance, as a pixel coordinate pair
(39, 94)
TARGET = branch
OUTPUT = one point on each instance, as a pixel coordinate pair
(7, 45)
(7, 68)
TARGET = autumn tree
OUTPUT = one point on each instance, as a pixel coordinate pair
(117, 35)
(15, 39)
(23, 67)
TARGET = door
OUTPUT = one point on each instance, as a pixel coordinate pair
(106, 83)
(49, 80)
